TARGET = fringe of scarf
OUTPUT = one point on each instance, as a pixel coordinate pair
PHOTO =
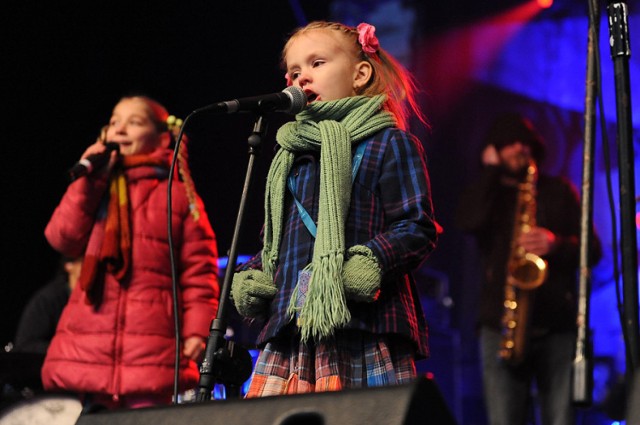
(331, 128)
(110, 243)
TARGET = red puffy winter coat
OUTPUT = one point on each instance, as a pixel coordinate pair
(126, 344)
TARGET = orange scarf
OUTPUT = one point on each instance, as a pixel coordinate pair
(109, 248)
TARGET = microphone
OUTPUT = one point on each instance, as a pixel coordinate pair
(290, 100)
(93, 162)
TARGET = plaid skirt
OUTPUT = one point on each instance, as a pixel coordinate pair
(350, 359)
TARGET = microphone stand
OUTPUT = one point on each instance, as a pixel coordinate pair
(620, 53)
(582, 369)
(225, 362)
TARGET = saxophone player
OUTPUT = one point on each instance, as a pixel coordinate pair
(511, 212)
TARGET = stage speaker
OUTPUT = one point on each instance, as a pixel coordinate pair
(417, 403)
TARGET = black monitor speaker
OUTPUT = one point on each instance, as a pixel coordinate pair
(417, 403)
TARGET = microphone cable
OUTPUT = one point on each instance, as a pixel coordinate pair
(172, 259)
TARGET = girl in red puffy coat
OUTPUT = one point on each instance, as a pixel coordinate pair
(115, 342)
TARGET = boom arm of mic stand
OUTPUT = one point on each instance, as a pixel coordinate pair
(224, 361)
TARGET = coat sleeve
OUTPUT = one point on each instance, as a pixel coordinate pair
(70, 225)
(405, 193)
(198, 275)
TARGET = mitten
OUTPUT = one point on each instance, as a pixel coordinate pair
(251, 292)
(361, 274)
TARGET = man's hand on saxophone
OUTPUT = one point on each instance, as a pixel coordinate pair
(538, 240)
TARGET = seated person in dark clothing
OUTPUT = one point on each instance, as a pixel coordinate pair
(40, 316)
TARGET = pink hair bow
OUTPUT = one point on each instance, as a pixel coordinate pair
(367, 38)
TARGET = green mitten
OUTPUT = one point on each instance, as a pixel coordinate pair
(361, 274)
(251, 292)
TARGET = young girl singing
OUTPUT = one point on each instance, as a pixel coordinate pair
(115, 341)
(348, 216)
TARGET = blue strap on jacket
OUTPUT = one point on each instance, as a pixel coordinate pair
(304, 215)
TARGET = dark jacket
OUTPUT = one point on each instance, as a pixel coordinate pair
(390, 212)
(40, 316)
(487, 210)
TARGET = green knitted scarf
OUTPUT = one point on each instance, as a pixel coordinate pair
(329, 127)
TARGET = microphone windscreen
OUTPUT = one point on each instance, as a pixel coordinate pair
(298, 99)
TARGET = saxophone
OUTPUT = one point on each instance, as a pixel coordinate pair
(525, 272)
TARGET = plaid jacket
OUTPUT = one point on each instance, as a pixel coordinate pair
(390, 212)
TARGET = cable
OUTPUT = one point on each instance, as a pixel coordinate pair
(172, 260)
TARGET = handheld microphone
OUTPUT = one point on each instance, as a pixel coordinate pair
(290, 100)
(93, 162)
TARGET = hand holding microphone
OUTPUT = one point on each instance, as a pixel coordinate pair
(291, 100)
(95, 157)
